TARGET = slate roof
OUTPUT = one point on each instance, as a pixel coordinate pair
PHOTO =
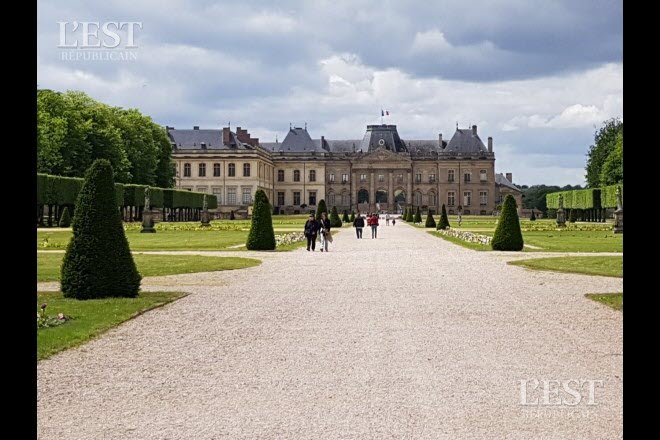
(298, 140)
(500, 179)
(465, 141)
(192, 140)
(421, 147)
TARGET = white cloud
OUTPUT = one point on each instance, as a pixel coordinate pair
(430, 42)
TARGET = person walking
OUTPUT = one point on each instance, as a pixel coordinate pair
(374, 226)
(393, 221)
(358, 224)
(387, 219)
(324, 230)
(311, 230)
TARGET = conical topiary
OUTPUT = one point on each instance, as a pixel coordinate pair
(404, 216)
(533, 217)
(430, 221)
(508, 236)
(573, 216)
(262, 235)
(418, 216)
(335, 221)
(65, 218)
(352, 217)
(321, 208)
(98, 262)
(345, 218)
(444, 220)
(410, 216)
(231, 215)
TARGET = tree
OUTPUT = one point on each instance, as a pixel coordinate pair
(65, 218)
(508, 235)
(410, 217)
(98, 238)
(430, 221)
(345, 219)
(605, 141)
(352, 217)
(612, 171)
(404, 217)
(321, 208)
(444, 220)
(533, 217)
(262, 235)
(418, 216)
(335, 221)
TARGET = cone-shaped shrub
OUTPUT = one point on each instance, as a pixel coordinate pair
(404, 216)
(345, 218)
(430, 221)
(262, 235)
(418, 216)
(444, 220)
(65, 218)
(321, 208)
(410, 216)
(231, 215)
(98, 262)
(352, 217)
(335, 221)
(573, 216)
(533, 217)
(508, 236)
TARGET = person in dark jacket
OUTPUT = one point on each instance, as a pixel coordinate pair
(324, 230)
(358, 224)
(311, 230)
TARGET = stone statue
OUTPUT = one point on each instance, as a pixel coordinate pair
(561, 215)
(619, 198)
(205, 204)
(561, 201)
(147, 201)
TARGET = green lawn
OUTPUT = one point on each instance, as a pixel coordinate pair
(605, 266)
(91, 317)
(49, 264)
(614, 300)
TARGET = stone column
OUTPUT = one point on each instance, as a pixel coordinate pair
(354, 190)
(372, 191)
(390, 193)
(409, 194)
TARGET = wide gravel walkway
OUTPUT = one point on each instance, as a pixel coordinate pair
(404, 337)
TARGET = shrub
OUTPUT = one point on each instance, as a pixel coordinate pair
(430, 221)
(98, 238)
(410, 217)
(508, 236)
(352, 217)
(418, 216)
(321, 208)
(533, 217)
(261, 236)
(335, 221)
(231, 215)
(573, 216)
(65, 218)
(444, 220)
(345, 218)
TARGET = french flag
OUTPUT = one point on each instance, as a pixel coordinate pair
(384, 112)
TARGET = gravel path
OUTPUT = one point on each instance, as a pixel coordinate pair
(407, 336)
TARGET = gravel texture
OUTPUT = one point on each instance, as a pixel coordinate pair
(403, 337)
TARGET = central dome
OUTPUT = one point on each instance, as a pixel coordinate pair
(383, 136)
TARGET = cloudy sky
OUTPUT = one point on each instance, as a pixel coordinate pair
(538, 76)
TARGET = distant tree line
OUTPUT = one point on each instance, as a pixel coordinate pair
(73, 130)
(534, 196)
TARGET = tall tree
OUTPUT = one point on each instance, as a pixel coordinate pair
(612, 171)
(605, 140)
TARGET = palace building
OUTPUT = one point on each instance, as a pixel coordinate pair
(381, 171)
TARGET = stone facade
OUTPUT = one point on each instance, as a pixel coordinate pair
(380, 171)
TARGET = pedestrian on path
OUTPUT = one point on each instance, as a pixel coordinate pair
(311, 229)
(358, 224)
(387, 219)
(374, 226)
(324, 227)
(393, 221)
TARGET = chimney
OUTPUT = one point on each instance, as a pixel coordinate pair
(323, 142)
(440, 140)
(509, 177)
(490, 144)
(226, 136)
(196, 127)
(167, 127)
(474, 130)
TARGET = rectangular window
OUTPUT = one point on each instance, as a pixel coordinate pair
(399, 178)
(363, 178)
(216, 170)
(331, 178)
(202, 170)
(296, 198)
(280, 175)
(483, 175)
(201, 189)
(231, 170)
(467, 177)
(450, 176)
(312, 198)
(312, 175)
(296, 175)
(344, 178)
(381, 178)
(418, 178)
(280, 199)
(217, 192)
(483, 198)
(451, 198)
(431, 178)
(467, 198)
(246, 170)
(186, 170)
(247, 197)
(231, 196)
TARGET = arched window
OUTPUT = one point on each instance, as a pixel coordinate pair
(418, 198)
(432, 199)
(231, 170)
(363, 196)
(296, 175)
(400, 197)
(186, 170)
(246, 170)
(331, 198)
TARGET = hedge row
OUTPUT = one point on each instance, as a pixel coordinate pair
(58, 190)
(593, 198)
(608, 196)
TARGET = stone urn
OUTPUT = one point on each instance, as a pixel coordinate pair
(148, 223)
(205, 218)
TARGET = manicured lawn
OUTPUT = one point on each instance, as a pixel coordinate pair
(614, 300)
(458, 241)
(91, 317)
(49, 264)
(605, 266)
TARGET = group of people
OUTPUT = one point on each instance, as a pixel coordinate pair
(372, 221)
(315, 229)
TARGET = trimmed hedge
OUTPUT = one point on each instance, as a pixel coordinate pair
(321, 208)
(418, 216)
(352, 217)
(65, 219)
(98, 238)
(608, 196)
(262, 235)
(335, 221)
(508, 235)
(345, 218)
(591, 198)
(444, 220)
(430, 221)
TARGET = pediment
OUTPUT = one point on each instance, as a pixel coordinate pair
(382, 154)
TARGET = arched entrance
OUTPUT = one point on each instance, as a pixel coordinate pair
(381, 196)
(399, 200)
(363, 196)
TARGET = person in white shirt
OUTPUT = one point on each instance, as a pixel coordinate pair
(387, 219)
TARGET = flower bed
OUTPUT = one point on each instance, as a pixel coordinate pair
(45, 321)
(290, 238)
(466, 236)
(552, 226)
